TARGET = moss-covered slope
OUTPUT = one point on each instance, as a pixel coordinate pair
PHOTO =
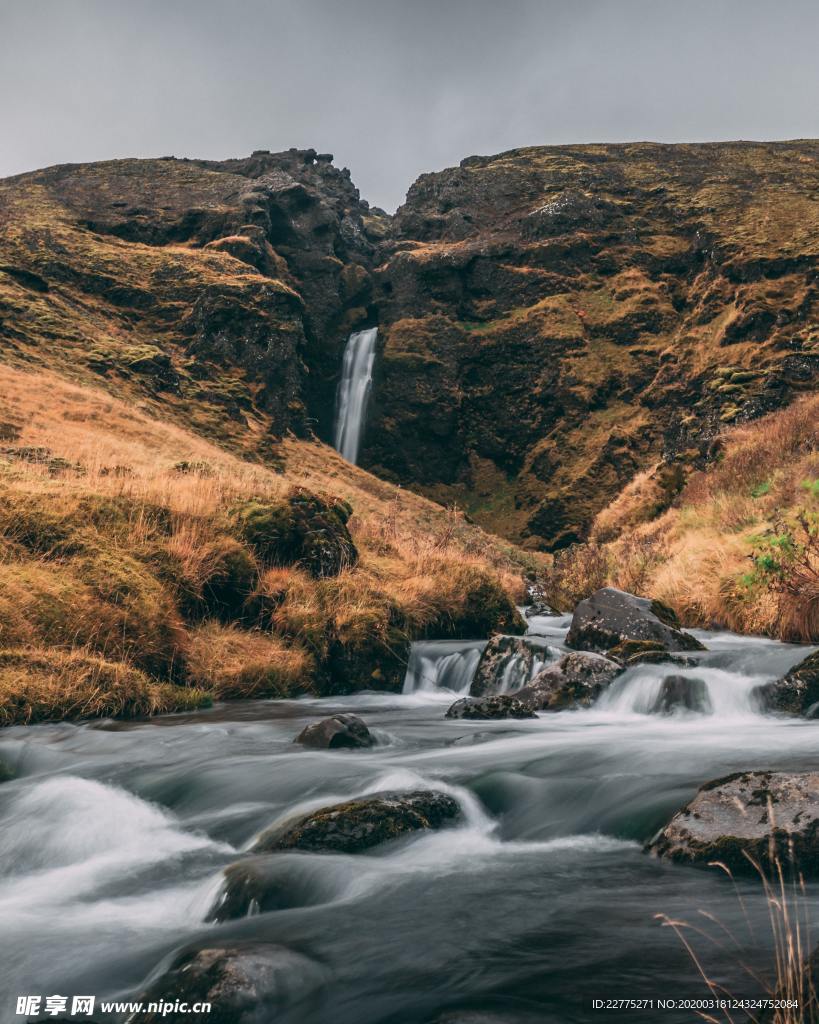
(555, 319)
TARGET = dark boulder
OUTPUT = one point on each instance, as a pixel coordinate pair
(236, 980)
(767, 816)
(575, 681)
(335, 733)
(682, 693)
(610, 617)
(362, 823)
(506, 664)
(797, 693)
(504, 705)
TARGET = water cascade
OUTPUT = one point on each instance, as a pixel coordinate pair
(443, 665)
(354, 391)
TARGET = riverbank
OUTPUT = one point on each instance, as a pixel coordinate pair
(145, 569)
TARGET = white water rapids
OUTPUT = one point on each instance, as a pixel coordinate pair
(354, 392)
(114, 836)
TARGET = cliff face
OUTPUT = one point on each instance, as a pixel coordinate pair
(555, 319)
(551, 320)
(222, 291)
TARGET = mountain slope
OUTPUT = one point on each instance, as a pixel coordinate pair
(556, 319)
(552, 321)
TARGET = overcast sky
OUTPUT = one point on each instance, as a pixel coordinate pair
(396, 87)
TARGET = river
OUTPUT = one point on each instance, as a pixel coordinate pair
(114, 837)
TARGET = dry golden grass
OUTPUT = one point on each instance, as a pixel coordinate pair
(38, 685)
(702, 555)
(230, 662)
(118, 536)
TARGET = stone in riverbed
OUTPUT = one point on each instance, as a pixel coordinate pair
(506, 663)
(260, 884)
(238, 980)
(611, 617)
(682, 693)
(502, 705)
(335, 733)
(538, 608)
(362, 823)
(749, 814)
(575, 681)
(797, 693)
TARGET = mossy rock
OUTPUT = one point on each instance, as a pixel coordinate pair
(363, 823)
(628, 649)
(302, 529)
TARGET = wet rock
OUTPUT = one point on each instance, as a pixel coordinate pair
(611, 617)
(658, 658)
(575, 681)
(258, 885)
(237, 980)
(335, 733)
(505, 705)
(797, 693)
(767, 816)
(538, 608)
(682, 693)
(6, 774)
(506, 664)
(628, 649)
(363, 823)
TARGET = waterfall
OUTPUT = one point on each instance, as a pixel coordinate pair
(354, 391)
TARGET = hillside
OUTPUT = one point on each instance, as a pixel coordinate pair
(556, 319)
(552, 320)
(144, 568)
(738, 549)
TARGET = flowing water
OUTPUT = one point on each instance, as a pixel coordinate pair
(114, 837)
(354, 391)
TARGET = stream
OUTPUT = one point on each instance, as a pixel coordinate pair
(114, 836)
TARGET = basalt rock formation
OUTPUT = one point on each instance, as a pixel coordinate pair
(552, 320)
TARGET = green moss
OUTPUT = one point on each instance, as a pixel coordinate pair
(301, 529)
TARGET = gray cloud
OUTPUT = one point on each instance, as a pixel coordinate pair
(395, 87)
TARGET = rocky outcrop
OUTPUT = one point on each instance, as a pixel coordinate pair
(575, 681)
(237, 980)
(506, 705)
(506, 664)
(797, 693)
(336, 733)
(682, 693)
(746, 819)
(610, 617)
(361, 824)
